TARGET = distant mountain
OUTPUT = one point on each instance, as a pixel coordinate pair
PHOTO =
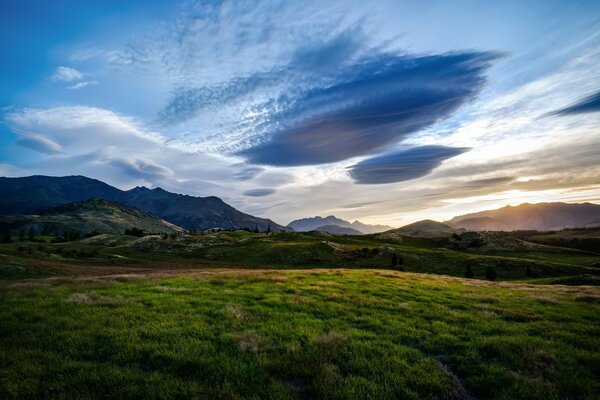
(89, 216)
(337, 230)
(30, 195)
(311, 224)
(541, 217)
(426, 228)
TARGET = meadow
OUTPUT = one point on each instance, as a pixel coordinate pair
(238, 315)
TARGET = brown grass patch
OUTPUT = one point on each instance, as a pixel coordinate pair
(250, 342)
(330, 344)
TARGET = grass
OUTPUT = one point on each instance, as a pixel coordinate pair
(282, 251)
(332, 334)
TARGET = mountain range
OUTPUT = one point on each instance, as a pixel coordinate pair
(33, 194)
(541, 217)
(321, 223)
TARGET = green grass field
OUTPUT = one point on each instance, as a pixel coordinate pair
(239, 315)
(297, 334)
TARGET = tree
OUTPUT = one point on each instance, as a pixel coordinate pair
(31, 234)
(469, 272)
(6, 237)
(21, 235)
(268, 229)
(394, 260)
(134, 232)
(490, 273)
(528, 272)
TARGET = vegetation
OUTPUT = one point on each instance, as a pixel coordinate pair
(322, 334)
(233, 315)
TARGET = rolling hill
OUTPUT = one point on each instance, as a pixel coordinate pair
(30, 195)
(86, 217)
(311, 224)
(426, 228)
(541, 217)
(337, 230)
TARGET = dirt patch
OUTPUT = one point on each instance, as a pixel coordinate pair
(250, 342)
(93, 298)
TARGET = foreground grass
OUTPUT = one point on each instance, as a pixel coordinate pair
(297, 334)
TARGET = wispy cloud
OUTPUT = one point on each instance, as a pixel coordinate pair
(81, 85)
(39, 143)
(66, 74)
(585, 105)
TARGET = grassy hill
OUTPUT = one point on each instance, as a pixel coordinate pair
(426, 228)
(91, 216)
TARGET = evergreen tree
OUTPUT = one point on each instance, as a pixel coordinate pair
(31, 234)
(394, 260)
(268, 229)
(21, 235)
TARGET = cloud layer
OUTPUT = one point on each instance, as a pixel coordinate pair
(402, 165)
(375, 103)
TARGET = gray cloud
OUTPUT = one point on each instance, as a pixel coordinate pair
(40, 144)
(374, 103)
(402, 165)
(259, 192)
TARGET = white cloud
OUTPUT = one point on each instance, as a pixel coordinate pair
(81, 85)
(66, 74)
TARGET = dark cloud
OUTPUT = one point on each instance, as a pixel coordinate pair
(489, 182)
(259, 192)
(374, 103)
(402, 165)
(586, 105)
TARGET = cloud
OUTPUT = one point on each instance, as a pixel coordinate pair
(585, 105)
(259, 192)
(402, 165)
(40, 144)
(66, 74)
(143, 169)
(81, 85)
(374, 103)
(247, 173)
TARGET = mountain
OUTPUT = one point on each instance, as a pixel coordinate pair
(89, 216)
(337, 230)
(541, 217)
(30, 195)
(426, 228)
(311, 224)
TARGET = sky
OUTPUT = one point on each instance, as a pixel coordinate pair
(387, 112)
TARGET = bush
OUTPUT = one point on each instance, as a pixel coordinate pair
(134, 232)
(469, 272)
(490, 273)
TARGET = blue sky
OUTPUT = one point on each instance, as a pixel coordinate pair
(386, 112)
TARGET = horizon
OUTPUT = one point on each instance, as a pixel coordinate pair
(385, 114)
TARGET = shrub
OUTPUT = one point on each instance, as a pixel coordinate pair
(134, 232)
(469, 272)
(490, 273)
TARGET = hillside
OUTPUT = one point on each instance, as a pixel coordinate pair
(312, 223)
(426, 228)
(541, 217)
(30, 195)
(337, 230)
(83, 218)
